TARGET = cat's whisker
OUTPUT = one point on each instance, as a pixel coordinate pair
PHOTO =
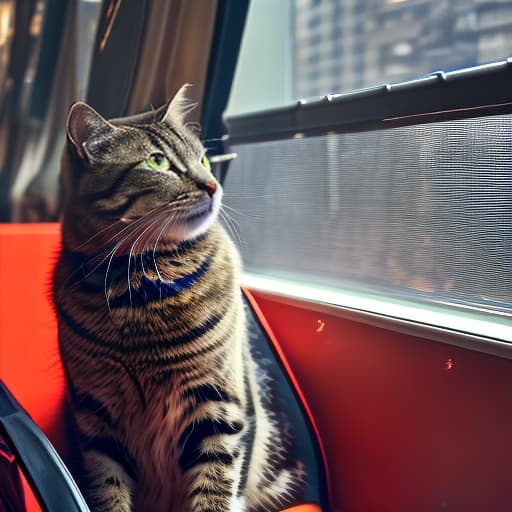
(161, 218)
(155, 247)
(235, 221)
(231, 226)
(144, 273)
(151, 224)
(111, 254)
(227, 224)
(88, 274)
(131, 225)
(234, 210)
(90, 239)
(116, 234)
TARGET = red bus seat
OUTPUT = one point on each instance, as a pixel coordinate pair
(29, 357)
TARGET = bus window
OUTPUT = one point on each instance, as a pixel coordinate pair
(384, 197)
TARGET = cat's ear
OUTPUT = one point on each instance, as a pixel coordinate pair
(179, 107)
(150, 117)
(83, 125)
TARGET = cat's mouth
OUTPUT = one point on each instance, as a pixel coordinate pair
(199, 212)
(188, 221)
(198, 218)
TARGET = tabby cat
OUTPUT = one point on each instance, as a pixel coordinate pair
(165, 393)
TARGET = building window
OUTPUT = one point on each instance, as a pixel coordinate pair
(441, 35)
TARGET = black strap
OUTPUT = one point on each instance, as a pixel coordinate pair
(227, 37)
(287, 404)
(45, 471)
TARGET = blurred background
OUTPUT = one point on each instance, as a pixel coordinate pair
(318, 47)
(126, 56)
(120, 56)
(45, 52)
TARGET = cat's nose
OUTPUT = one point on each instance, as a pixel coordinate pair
(209, 186)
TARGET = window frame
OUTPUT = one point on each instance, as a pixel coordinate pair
(468, 92)
(478, 91)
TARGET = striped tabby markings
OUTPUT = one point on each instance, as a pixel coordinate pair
(100, 448)
(112, 448)
(211, 445)
(92, 275)
(172, 342)
(82, 356)
(204, 441)
(162, 143)
(110, 486)
(205, 392)
(248, 440)
(88, 405)
(116, 211)
(192, 361)
(112, 187)
(153, 291)
(182, 347)
(180, 325)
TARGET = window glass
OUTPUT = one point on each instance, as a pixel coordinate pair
(56, 73)
(304, 48)
(419, 212)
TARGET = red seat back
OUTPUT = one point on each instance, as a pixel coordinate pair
(29, 357)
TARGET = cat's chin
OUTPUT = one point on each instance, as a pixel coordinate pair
(166, 229)
(197, 221)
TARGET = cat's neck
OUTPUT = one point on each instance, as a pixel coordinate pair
(169, 265)
(97, 238)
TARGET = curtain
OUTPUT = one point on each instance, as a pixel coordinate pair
(175, 51)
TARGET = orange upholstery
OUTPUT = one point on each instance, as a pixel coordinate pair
(31, 503)
(306, 507)
(29, 357)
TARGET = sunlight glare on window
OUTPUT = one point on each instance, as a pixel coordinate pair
(307, 48)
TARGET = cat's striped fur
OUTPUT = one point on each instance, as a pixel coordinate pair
(164, 389)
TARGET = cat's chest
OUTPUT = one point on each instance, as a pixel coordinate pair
(156, 427)
(142, 291)
(153, 436)
(137, 310)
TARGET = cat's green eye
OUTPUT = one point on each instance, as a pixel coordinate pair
(206, 163)
(158, 161)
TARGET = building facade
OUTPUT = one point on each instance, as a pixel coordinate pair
(342, 45)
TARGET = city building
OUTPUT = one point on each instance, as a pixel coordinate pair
(342, 45)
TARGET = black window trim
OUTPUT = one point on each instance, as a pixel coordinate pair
(468, 92)
(50, 479)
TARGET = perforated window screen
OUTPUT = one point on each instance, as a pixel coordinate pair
(419, 211)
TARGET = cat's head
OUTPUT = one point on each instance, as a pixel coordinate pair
(148, 170)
